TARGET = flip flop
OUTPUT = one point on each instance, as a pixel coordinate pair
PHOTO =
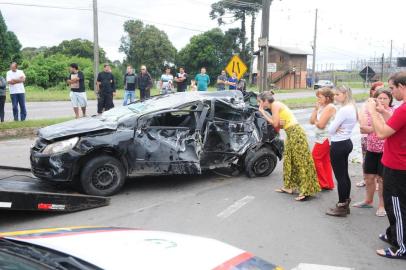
(362, 205)
(283, 190)
(301, 198)
(380, 213)
(388, 253)
(360, 184)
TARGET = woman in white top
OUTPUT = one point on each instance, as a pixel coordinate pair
(340, 131)
(323, 113)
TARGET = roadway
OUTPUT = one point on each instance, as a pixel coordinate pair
(237, 210)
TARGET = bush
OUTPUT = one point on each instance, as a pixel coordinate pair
(52, 71)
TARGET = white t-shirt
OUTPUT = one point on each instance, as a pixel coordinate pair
(17, 88)
(167, 81)
(344, 122)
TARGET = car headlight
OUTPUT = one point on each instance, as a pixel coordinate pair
(61, 146)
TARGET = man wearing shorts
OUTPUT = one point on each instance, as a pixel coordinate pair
(76, 81)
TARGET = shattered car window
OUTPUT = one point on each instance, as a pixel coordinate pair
(223, 111)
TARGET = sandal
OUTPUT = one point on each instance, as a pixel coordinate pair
(284, 190)
(388, 253)
(380, 213)
(362, 205)
(360, 184)
(384, 238)
(301, 198)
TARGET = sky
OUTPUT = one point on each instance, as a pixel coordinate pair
(348, 30)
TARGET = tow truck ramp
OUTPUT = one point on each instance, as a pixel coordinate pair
(25, 193)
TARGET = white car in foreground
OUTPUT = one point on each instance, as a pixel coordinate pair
(120, 248)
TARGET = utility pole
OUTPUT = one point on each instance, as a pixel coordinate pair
(390, 56)
(314, 52)
(263, 43)
(383, 60)
(95, 44)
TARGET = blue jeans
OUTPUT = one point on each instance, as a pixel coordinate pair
(128, 95)
(18, 99)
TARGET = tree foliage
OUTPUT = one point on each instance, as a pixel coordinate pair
(9, 46)
(147, 45)
(76, 47)
(52, 71)
(212, 49)
(238, 11)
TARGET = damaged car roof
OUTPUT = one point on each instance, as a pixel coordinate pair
(110, 120)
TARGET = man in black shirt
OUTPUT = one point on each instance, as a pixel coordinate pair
(181, 79)
(144, 83)
(76, 81)
(130, 83)
(106, 88)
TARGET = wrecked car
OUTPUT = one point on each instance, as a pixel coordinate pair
(181, 133)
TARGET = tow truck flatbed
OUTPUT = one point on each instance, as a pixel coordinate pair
(25, 193)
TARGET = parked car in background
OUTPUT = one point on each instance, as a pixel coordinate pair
(95, 248)
(180, 133)
(323, 83)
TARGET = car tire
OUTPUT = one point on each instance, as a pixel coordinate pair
(102, 176)
(260, 163)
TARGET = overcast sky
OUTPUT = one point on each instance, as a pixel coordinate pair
(348, 29)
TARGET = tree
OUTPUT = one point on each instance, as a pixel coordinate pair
(10, 46)
(147, 45)
(76, 47)
(212, 49)
(239, 10)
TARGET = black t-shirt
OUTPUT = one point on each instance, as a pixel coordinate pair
(77, 86)
(130, 81)
(182, 85)
(107, 83)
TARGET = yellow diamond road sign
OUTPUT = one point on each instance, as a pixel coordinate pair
(236, 65)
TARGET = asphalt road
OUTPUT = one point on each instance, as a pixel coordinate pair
(54, 109)
(243, 212)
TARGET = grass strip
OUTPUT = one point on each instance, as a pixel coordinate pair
(32, 123)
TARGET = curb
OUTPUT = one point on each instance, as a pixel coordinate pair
(20, 169)
(18, 132)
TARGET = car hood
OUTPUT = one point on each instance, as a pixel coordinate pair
(76, 127)
(122, 248)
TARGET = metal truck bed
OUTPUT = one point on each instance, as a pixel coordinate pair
(19, 192)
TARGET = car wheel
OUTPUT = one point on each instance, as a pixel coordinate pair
(260, 163)
(102, 176)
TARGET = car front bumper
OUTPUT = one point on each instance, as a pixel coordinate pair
(61, 167)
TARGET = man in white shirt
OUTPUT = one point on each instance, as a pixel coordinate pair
(15, 80)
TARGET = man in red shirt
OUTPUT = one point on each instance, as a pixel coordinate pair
(394, 160)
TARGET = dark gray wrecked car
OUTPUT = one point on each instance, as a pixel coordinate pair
(181, 133)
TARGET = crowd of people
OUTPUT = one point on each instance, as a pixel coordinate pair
(106, 87)
(384, 160)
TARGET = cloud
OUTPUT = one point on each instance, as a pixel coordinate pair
(348, 29)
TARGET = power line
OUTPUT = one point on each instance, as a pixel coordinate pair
(101, 11)
(45, 6)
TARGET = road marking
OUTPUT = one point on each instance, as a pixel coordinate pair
(305, 266)
(235, 207)
(5, 204)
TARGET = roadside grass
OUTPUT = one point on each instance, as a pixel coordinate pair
(32, 123)
(310, 101)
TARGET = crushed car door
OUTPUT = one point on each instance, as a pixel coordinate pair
(168, 143)
(229, 132)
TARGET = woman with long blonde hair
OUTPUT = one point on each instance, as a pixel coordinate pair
(340, 131)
